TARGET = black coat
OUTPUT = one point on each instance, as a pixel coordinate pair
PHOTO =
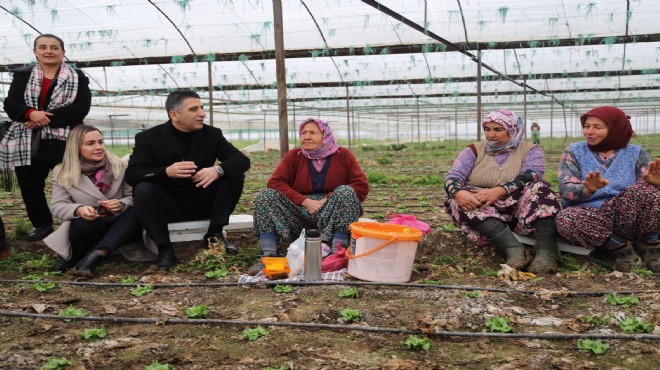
(157, 148)
(70, 115)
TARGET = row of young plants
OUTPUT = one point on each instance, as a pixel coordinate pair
(495, 324)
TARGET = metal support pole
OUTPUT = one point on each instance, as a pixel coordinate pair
(348, 119)
(478, 95)
(525, 106)
(419, 135)
(210, 78)
(552, 122)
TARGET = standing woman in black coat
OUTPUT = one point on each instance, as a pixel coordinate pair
(44, 102)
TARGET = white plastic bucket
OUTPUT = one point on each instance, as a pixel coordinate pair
(382, 252)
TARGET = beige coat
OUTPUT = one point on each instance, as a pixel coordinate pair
(64, 203)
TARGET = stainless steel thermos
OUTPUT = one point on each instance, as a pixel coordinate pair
(313, 255)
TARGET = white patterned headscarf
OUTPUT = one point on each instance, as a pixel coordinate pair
(512, 123)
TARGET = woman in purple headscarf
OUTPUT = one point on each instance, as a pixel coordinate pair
(319, 185)
(495, 186)
(609, 190)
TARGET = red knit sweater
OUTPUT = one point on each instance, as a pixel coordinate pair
(292, 178)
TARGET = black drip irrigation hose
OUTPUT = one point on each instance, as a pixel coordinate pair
(370, 329)
(349, 283)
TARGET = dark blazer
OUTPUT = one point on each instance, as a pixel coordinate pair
(70, 115)
(157, 148)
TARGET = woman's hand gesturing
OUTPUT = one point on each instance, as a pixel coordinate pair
(594, 181)
(652, 175)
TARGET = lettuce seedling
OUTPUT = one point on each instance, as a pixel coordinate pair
(283, 288)
(597, 347)
(594, 320)
(73, 311)
(197, 312)
(155, 365)
(45, 286)
(217, 274)
(626, 302)
(129, 280)
(141, 290)
(350, 315)
(498, 324)
(348, 293)
(254, 334)
(633, 325)
(94, 333)
(56, 363)
(417, 344)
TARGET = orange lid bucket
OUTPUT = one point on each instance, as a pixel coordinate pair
(388, 232)
(384, 231)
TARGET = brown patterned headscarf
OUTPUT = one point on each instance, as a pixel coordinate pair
(618, 123)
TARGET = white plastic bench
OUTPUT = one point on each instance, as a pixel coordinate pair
(195, 230)
(561, 243)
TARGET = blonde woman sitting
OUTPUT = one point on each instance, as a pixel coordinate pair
(95, 203)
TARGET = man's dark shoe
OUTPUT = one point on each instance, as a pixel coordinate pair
(230, 247)
(4, 254)
(87, 266)
(64, 265)
(39, 233)
(166, 259)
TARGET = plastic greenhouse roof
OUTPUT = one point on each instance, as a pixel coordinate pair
(409, 56)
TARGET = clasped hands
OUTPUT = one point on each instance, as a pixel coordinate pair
(470, 200)
(38, 119)
(188, 170)
(89, 213)
(312, 206)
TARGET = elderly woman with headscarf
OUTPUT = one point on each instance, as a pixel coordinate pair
(609, 191)
(319, 185)
(496, 185)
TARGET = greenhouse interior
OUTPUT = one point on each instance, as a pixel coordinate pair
(415, 70)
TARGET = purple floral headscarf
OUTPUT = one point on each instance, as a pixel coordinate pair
(329, 144)
(514, 127)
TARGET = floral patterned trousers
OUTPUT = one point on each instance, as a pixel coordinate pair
(519, 210)
(632, 213)
(275, 213)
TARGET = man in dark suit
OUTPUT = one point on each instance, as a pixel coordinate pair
(175, 176)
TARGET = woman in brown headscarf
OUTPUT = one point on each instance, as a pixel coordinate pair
(610, 192)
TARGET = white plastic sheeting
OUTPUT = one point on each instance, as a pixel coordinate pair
(550, 46)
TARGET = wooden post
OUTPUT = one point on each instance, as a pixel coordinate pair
(280, 71)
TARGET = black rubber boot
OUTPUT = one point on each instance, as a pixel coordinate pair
(625, 258)
(545, 257)
(86, 267)
(648, 247)
(514, 251)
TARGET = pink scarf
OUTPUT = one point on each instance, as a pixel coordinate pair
(100, 173)
(329, 144)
